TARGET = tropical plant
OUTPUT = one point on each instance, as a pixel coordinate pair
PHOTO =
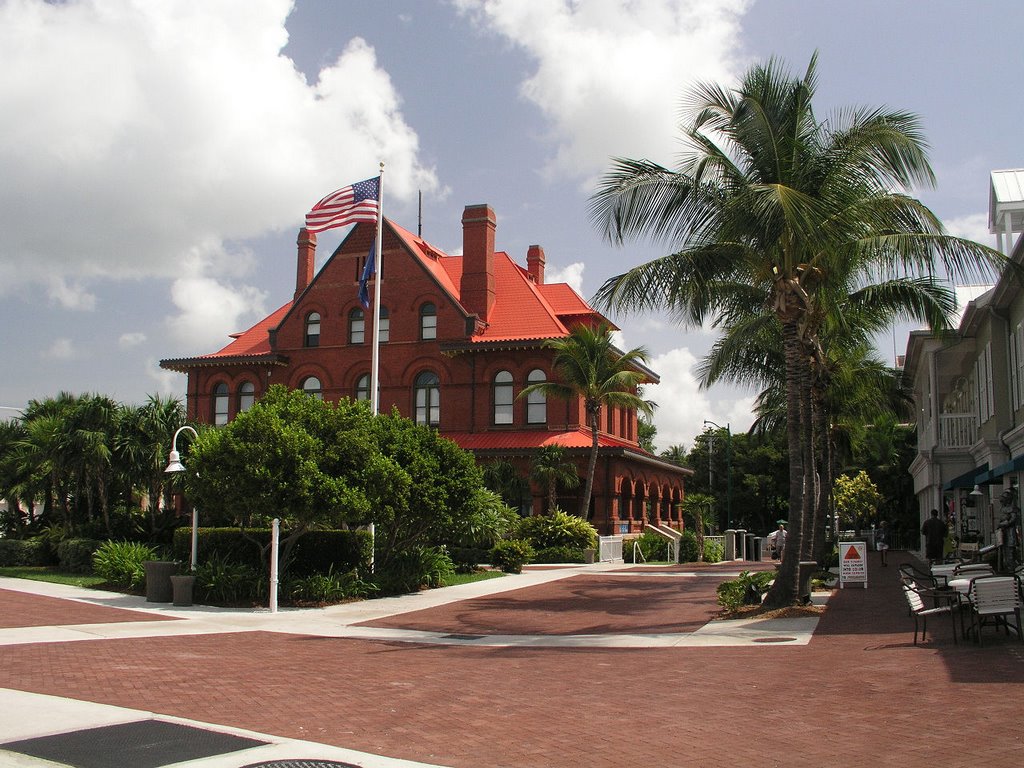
(550, 467)
(559, 529)
(121, 563)
(699, 510)
(589, 367)
(856, 499)
(772, 209)
(511, 555)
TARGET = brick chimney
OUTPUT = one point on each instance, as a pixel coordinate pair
(477, 289)
(307, 260)
(535, 263)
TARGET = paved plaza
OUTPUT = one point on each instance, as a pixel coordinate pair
(604, 665)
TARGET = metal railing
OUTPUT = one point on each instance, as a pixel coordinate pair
(609, 548)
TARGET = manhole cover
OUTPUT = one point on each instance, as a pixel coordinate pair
(774, 639)
(301, 764)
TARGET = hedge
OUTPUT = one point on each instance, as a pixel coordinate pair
(75, 555)
(314, 552)
(32, 552)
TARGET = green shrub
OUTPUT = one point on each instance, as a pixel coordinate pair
(558, 555)
(511, 555)
(314, 552)
(466, 559)
(20, 552)
(558, 529)
(329, 587)
(652, 546)
(75, 555)
(416, 568)
(731, 594)
(688, 547)
(221, 581)
(121, 563)
(713, 551)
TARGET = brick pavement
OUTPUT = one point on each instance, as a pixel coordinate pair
(21, 609)
(859, 694)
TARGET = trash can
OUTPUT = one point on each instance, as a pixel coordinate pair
(588, 555)
(756, 549)
(749, 547)
(158, 580)
(181, 587)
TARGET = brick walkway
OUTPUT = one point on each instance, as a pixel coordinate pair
(860, 694)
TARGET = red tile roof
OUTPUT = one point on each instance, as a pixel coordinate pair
(523, 310)
(532, 439)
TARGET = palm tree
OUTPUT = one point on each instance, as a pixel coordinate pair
(589, 367)
(771, 208)
(699, 509)
(551, 467)
(675, 453)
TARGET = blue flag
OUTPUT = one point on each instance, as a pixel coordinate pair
(368, 271)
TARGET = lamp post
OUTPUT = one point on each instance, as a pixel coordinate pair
(728, 470)
(174, 465)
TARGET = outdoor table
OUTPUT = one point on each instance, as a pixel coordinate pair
(961, 585)
(944, 571)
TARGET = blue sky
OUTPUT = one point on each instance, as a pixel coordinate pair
(156, 159)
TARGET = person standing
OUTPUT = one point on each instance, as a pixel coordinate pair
(882, 542)
(780, 541)
(934, 531)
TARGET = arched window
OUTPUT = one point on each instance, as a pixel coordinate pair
(313, 329)
(246, 396)
(363, 387)
(384, 326)
(503, 398)
(220, 405)
(311, 386)
(427, 396)
(536, 402)
(428, 321)
(356, 326)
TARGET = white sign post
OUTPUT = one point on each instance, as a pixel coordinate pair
(275, 538)
(853, 563)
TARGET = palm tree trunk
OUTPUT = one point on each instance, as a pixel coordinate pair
(591, 466)
(823, 444)
(784, 591)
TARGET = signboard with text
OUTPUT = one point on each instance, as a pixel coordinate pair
(853, 563)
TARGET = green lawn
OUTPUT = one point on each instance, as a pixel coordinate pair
(468, 578)
(51, 575)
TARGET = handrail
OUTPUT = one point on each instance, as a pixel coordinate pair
(637, 550)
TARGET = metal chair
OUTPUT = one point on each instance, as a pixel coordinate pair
(915, 600)
(995, 598)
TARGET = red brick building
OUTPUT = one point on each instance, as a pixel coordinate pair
(460, 336)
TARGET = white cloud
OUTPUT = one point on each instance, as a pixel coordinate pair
(973, 226)
(683, 406)
(571, 274)
(60, 349)
(71, 295)
(128, 340)
(610, 74)
(147, 129)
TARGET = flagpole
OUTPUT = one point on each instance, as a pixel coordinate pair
(375, 355)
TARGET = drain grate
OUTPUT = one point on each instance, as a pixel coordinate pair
(774, 640)
(301, 764)
(141, 744)
(464, 637)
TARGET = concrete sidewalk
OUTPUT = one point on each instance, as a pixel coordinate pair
(854, 692)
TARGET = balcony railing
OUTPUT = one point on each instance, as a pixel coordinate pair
(957, 430)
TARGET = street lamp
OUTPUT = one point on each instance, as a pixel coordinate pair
(174, 465)
(728, 470)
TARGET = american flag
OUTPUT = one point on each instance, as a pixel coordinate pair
(348, 205)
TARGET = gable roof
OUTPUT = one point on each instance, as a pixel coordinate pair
(523, 312)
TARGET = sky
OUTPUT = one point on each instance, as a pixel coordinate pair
(157, 158)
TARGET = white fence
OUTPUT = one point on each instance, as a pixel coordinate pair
(610, 548)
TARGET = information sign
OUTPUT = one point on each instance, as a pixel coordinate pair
(853, 563)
